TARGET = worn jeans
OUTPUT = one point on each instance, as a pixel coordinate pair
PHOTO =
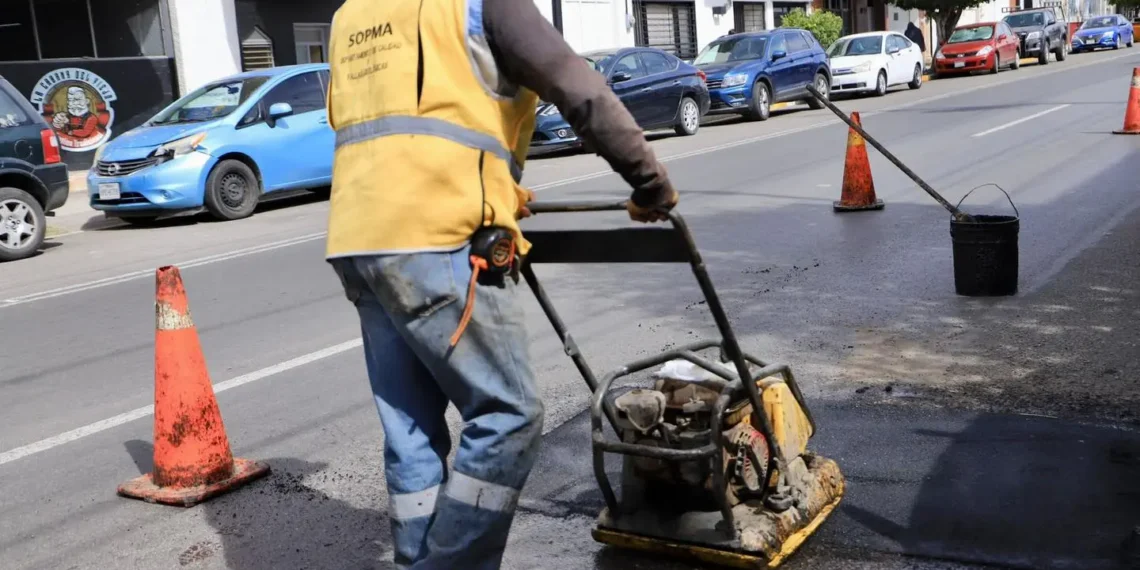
(409, 306)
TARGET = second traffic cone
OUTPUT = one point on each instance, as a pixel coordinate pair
(858, 186)
(192, 457)
(1132, 111)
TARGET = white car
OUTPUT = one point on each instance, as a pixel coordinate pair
(873, 62)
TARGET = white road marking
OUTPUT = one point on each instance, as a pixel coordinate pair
(139, 413)
(146, 272)
(594, 175)
(1019, 121)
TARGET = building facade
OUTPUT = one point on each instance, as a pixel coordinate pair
(98, 68)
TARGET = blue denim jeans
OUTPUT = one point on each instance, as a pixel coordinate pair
(409, 306)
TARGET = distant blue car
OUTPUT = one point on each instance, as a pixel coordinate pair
(660, 91)
(220, 148)
(1103, 32)
(748, 72)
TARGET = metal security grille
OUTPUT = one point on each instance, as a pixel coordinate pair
(668, 26)
(749, 16)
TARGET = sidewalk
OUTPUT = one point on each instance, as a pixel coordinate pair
(77, 180)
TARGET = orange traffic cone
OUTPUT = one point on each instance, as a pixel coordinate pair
(858, 186)
(192, 457)
(1132, 111)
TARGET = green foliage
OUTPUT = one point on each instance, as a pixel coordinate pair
(824, 25)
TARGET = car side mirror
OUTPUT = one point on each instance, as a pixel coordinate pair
(779, 54)
(620, 76)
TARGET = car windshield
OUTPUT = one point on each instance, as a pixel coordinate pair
(209, 102)
(1025, 20)
(599, 60)
(973, 34)
(867, 45)
(740, 48)
(11, 112)
(1099, 23)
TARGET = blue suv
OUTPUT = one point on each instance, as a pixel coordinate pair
(748, 72)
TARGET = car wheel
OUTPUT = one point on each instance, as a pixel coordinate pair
(916, 81)
(761, 102)
(1043, 57)
(1016, 60)
(1131, 38)
(997, 64)
(1116, 42)
(690, 120)
(232, 191)
(1063, 50)
(881, 84)
(22, 224)
(824, 87)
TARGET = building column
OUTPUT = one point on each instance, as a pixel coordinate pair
(769, 16)
(206, 46)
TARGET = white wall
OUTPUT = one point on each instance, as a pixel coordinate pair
(206, 43)
(711, 26)
(594, 24)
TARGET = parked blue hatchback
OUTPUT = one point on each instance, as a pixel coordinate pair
(1103, 32)
(748, 72)
(220, 148)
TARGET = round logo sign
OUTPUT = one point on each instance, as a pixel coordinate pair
(77, 105)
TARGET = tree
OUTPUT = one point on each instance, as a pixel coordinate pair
(824, 25)
(947, 15)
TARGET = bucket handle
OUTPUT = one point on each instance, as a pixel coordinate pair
(995, 186)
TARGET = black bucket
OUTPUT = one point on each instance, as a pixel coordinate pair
(985, 253)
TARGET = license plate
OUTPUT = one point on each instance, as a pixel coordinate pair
(109, 191)
(959, 64)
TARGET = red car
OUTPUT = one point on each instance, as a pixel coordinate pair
(985, 46)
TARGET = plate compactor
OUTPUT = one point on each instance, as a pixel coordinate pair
(715, 465)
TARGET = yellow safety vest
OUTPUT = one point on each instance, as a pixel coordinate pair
(430, 136)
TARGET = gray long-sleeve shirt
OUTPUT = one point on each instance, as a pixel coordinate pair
(533, 54)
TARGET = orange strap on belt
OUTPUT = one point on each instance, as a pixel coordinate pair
(477, 264)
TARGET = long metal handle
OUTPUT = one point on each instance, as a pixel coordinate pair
(958, 214)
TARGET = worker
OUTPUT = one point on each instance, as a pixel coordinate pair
(433, 104)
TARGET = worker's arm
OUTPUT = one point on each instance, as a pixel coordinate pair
(533, 54)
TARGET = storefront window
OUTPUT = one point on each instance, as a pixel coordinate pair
(127, 28)
(80, 28)
(17, 33)
(64, 28)
(312, 42)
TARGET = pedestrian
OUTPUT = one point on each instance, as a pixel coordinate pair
(433, 104)
(914, 34)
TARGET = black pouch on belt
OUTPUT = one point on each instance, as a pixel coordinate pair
(492, 260)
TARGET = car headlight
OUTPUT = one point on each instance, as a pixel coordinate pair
(1033, 35)
(734, 79)
(181, 146)
(938, 54)
(1106, 36)
(865, 66)
(548, 110)
(985, 51)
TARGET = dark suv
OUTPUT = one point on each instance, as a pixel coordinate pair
(33, 177)
(1040, 32)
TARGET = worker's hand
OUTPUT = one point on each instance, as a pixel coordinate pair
(524, 211)
(655, 213)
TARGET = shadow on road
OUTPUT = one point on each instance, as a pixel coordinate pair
(282, 522)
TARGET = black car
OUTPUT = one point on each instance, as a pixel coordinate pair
(660, 91)
(33, 177)
(1040, 32)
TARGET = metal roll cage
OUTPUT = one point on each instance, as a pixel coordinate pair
(653, 244)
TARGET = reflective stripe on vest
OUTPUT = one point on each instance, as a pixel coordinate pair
(410, 125)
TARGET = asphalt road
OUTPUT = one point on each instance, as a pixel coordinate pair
(921, 395)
